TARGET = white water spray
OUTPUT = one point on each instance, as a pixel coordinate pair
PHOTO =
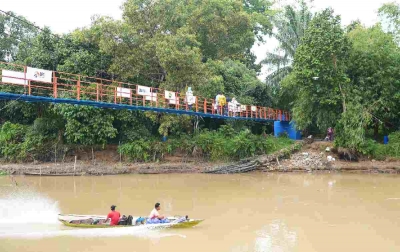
(24, 207)
(30, 215)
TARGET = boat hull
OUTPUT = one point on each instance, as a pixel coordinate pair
(65, 219)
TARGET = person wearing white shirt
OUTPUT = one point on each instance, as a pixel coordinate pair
(234, 105)
(154, 214)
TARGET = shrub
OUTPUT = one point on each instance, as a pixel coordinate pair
(213, 145)
(23, 143)
(381, 151)
(139, 150)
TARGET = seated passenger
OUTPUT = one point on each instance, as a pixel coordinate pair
(155, 217)
(113, 216)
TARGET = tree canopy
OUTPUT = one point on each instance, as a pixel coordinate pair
(326, 74)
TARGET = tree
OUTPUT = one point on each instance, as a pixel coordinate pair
(374, 73)
(390, 16)
(319, 78)
(169, 42)
(132, 125)
(86, 125)
(83, 55)
(290, 26)
(235, 80)
(13, 30)
(224, 28)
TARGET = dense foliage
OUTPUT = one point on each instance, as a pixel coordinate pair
(347, 78)
(224, 144)
(326, 74)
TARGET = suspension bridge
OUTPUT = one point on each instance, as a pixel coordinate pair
(28, 84)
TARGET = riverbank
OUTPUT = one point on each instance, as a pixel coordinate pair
(311, 158)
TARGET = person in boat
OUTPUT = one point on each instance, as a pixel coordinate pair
(113, 216)
(155, 217)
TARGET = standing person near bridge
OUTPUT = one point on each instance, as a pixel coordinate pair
(330, 134)
(190, 99)
(234, 106)
(216, 102)
(221, 104)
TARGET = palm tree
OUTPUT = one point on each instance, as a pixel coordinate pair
(290, 26)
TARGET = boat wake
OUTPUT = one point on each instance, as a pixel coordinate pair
(26, 207)
(30, 215)
(140, 232)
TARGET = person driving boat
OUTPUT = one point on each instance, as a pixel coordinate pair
(155, 217)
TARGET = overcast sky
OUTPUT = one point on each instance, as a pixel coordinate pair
(65, 15)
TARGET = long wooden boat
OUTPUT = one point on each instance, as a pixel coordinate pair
(81, 221)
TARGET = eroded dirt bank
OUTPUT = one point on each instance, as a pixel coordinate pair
(315, 157)
(311, 158)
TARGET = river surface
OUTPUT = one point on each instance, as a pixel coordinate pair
(251, 212)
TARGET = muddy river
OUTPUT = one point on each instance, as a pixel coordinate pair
(251, 212)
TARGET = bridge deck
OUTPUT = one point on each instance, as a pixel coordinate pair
(18, 83)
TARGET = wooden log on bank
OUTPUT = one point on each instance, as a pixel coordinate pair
(249, 165)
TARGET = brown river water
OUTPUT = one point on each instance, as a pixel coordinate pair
(250, 212)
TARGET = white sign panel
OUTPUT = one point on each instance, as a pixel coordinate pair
(142, 90)
(174, 101)
(190, 98)
(152, 97)
(243, 107)
(37, 74)
(253, 108)
(124, 92)
(13, 77)
(169, 95)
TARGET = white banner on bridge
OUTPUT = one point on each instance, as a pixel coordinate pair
(174, 101)
(37, 74)
(243, 107)
(253, 108)
(124, 92)
(169, 95)
(14, 77)
(152, 97)
(143, 90)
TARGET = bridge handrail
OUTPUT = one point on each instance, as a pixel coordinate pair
(81, 87)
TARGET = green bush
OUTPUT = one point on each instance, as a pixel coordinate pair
(11, 137)
(23, 143)
(393, 147)
(380, 151)
(223, 144)
(139, 150)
